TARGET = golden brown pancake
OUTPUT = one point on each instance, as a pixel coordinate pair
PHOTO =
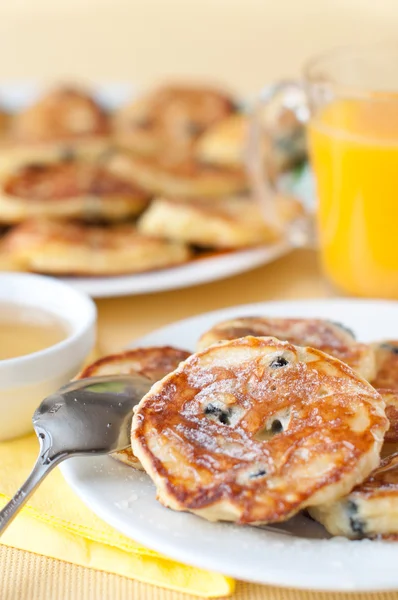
(369, 510)
(254, 430)
(177, 175)
(332, 338)
(170, 115)
(390, 445)
(153, 363)
(5, 122)
(226, 142)
(386, 365)
(233, 222)
(65, 113)
(58, 248)
(390, 398)
(66, 120)
(69, 189)
(386, 382)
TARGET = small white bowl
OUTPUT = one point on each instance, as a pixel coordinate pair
(25, 381)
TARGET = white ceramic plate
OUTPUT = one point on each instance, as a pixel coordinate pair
(15, 96)
(306, 558)
(195, 272)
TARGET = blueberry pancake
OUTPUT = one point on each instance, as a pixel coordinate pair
(69, 189)
(5, 121)
(66, 120)
(390, 445)
(253, 430)
(330, 337)
(233, 222)
(171, 115)
(153, 363)
(58, 248)
(369, 510)
(386, 381)
(390, 398)
(177, 175)
(386, 365)
(65, 113)
(225, 143)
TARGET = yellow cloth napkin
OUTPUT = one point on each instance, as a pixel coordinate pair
(56, 523)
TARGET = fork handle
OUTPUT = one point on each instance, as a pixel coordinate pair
(40, 470)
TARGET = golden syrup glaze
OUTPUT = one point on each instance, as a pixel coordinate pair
(329, 337)
(332, 422)
(27, 329)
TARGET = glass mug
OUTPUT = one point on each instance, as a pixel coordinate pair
(349, 99)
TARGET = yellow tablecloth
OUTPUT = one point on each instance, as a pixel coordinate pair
(26, 576)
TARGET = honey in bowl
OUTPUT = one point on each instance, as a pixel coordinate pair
(25, 329)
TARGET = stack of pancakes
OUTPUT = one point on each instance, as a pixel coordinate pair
(270, 417)
(87, 192)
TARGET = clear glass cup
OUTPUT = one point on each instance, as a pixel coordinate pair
(349, 99)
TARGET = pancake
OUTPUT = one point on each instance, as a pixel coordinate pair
(65, 113)
(17, 155)
(225, 143)
(153, 363)
(390, 445)
(386, 381)
(370, 510)
(332, 338)
(5, 121)
(390, 398)
(386, 365)
(170, 115)
(229, 223)
(65, 120)
(68, 189)
(177, 175)
(57, 248)
(254, 430)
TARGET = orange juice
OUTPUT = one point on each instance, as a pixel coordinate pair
(354, 151)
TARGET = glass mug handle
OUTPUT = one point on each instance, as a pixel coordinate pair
(286, 96)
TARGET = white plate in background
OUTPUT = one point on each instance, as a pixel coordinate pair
(303, 558)
(195, 272)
